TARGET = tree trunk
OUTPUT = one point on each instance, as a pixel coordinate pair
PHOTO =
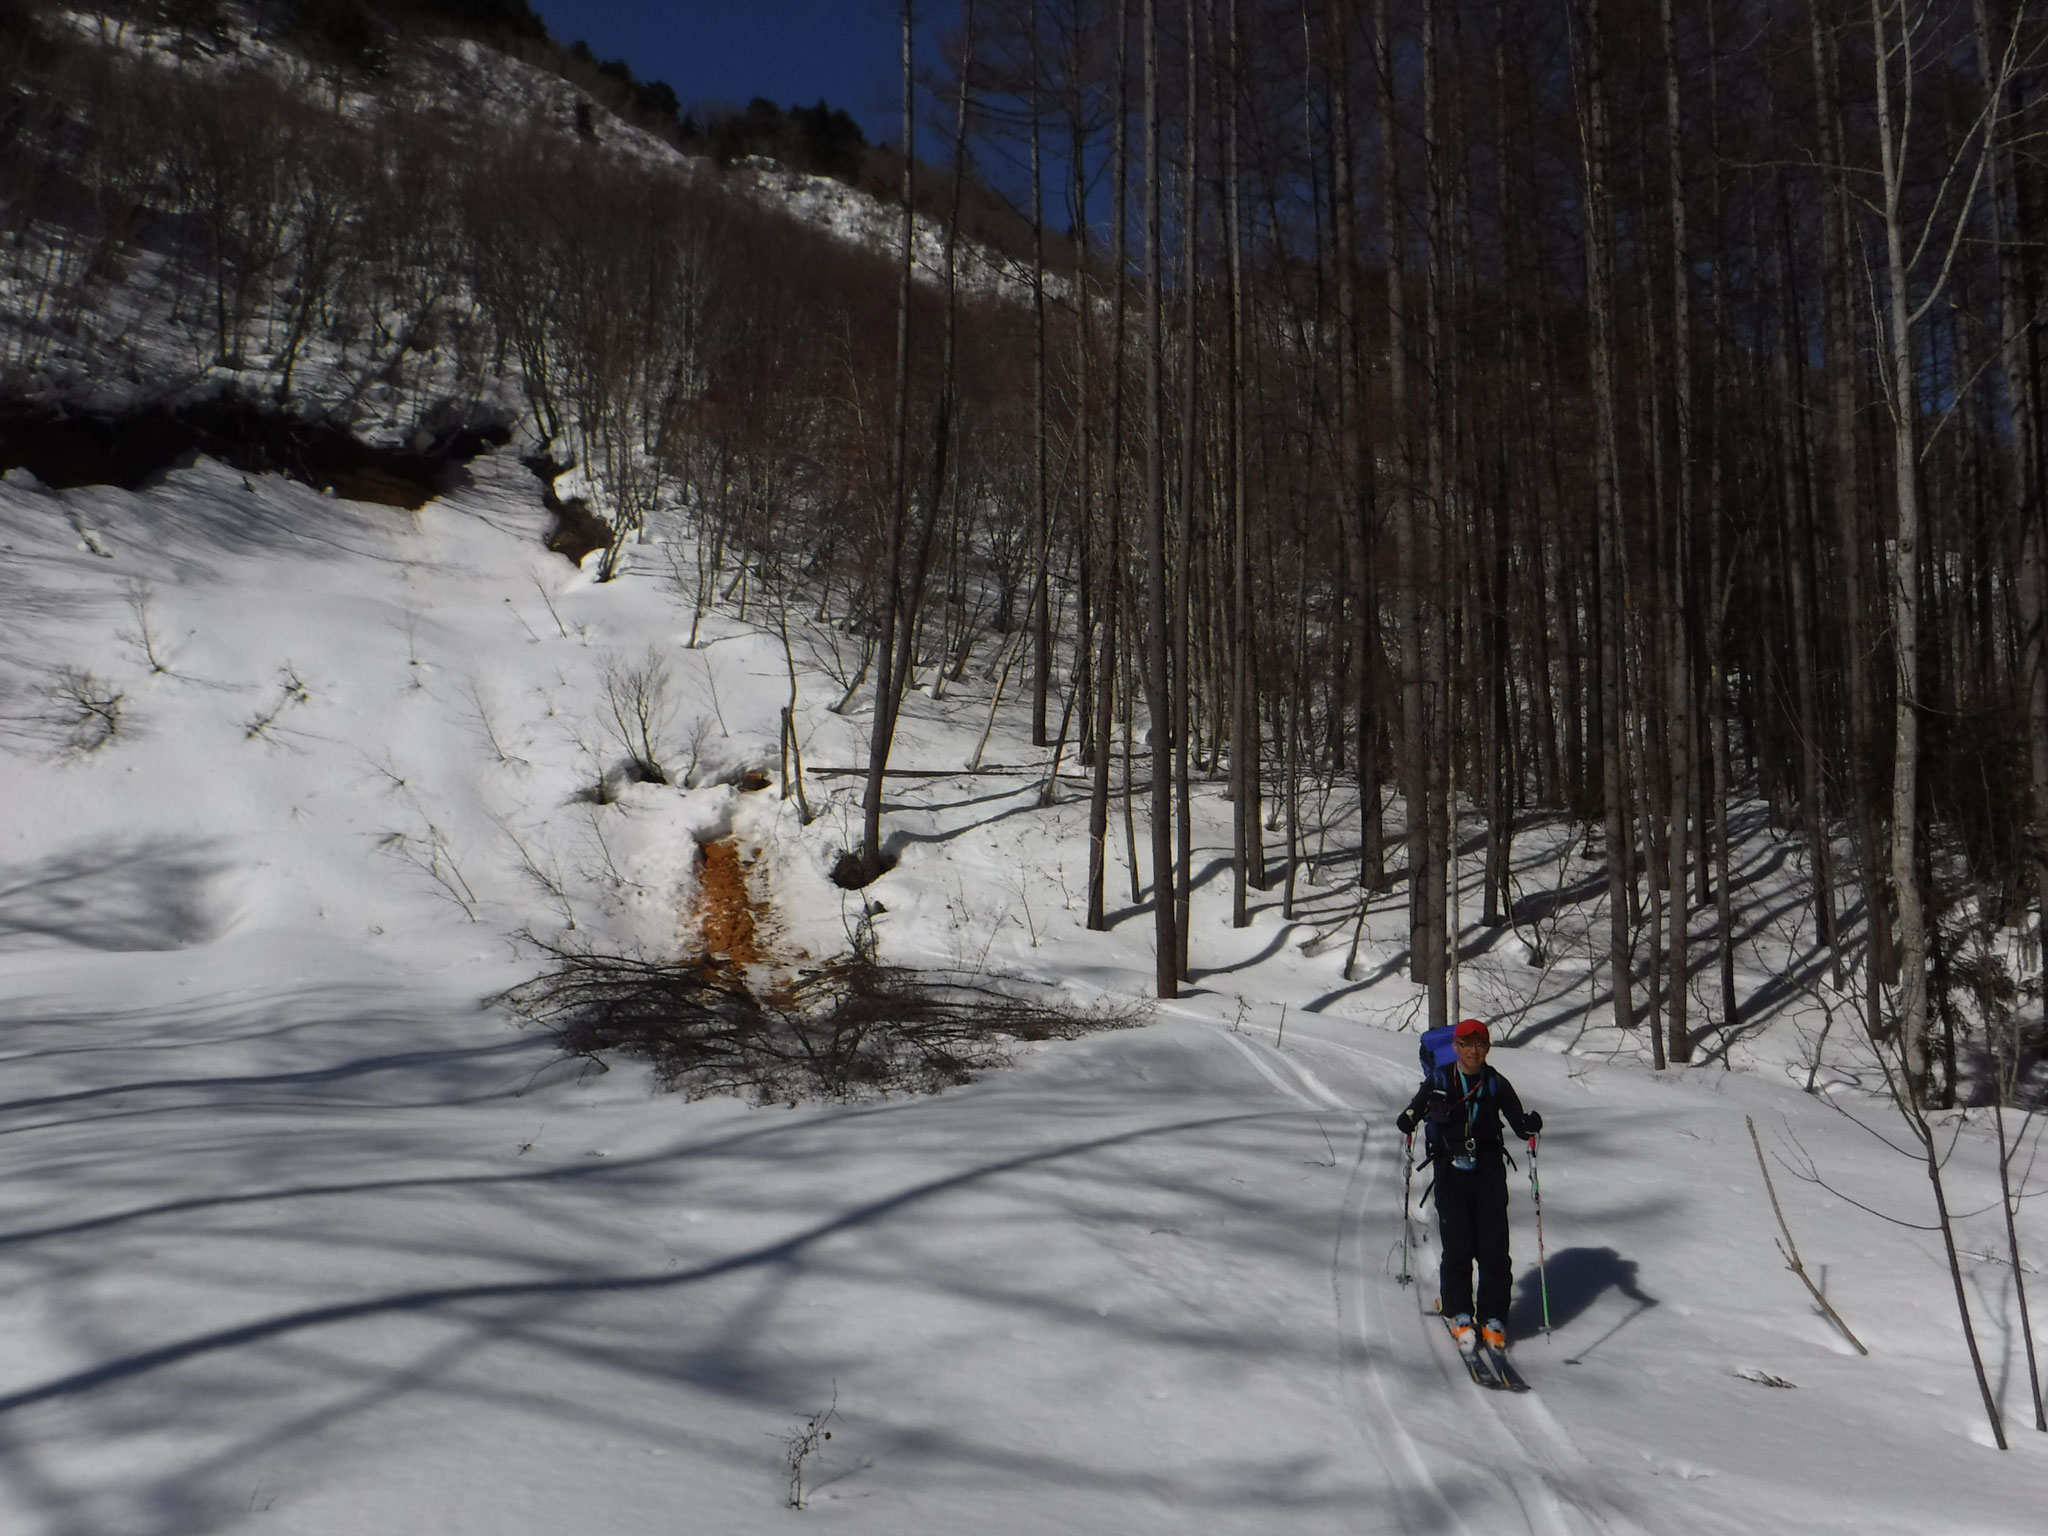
(1111, 579)
(1158, 679)
(883, 728)
(1678, 712)
(1041, 584)
(1412, 765)
(1183, 624)
(1845, 479)
(1244, 718)
(1910, 1006)
(1436, 553)
(1607, 511)
(1353, 510)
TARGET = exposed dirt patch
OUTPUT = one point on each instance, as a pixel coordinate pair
(578, 530)
(725, 904)
(379, 486)
(852, 872)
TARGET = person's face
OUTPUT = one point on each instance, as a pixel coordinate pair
(1471, 1052)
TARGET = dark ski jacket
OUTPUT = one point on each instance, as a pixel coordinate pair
(1460, 1109)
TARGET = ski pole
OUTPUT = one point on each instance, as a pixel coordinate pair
(1542, 1279)
(1407, 1183)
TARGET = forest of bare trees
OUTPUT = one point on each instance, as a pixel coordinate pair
(1623, 412)
(1466, 411)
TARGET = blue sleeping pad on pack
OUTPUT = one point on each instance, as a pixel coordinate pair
(1437, 1049)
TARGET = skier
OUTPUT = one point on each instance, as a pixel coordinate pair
(1463, 1104)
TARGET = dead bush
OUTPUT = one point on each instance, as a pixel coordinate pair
(79, 711)
(850, 1029)
(638, 714)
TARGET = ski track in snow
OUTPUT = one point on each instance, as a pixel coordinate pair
(1534, 1456)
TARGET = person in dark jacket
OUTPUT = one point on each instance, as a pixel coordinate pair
(1463, 1105)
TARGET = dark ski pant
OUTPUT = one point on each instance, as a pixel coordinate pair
(1472, 1217)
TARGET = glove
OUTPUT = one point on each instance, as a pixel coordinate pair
(1534, 1121)
(1405, 1122)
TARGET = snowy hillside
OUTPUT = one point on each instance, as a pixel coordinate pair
(300, 1236)
(206, 269)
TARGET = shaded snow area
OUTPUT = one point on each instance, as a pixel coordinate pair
(300, 1235)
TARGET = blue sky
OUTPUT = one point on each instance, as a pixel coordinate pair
(791, 51)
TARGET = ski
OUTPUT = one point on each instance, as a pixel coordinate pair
(1508, 1379)
(1489, 1367)
(1476, 1360)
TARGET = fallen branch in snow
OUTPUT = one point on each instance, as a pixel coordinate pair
(1764, 1378)
(844, 1030)
(995, 701)
(1789, 1249)
(553, 613)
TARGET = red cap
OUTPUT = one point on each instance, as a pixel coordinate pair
(1468, 1028)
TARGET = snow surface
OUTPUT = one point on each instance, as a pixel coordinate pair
(301, 1236)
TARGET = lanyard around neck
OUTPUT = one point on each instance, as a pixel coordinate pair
(1470, 1098)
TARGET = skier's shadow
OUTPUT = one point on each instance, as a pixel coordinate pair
(1578, 1277)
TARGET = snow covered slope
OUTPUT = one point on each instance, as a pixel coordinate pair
(300, 1236)
(107, 330)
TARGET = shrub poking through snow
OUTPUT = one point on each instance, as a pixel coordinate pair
(845, 1030)
(82, 711)
(639, 715)
(803, 1442)
(290, 691)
